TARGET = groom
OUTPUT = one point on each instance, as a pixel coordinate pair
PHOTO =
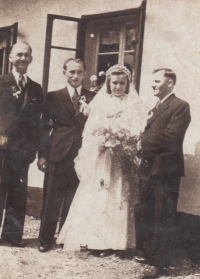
(63, 123)
(161, 171)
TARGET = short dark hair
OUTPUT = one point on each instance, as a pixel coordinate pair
(168, 73)
(76, 60)
(117, 73)
(11, 48)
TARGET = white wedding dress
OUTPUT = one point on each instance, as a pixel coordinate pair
(101, 215)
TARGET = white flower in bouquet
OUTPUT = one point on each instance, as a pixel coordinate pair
(102, 73)
(93, 78)
(121, 143)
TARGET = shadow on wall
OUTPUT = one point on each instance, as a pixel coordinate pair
(34, 202)
(189, 195)
(188, 220)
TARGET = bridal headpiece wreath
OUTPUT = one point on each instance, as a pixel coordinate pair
(118, 68)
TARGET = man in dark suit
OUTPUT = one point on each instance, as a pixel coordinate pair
(20, 110)
(63, 124)
(161, 171)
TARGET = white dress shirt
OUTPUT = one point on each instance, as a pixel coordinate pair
(16, 75)
(72, 89)
(161, 101)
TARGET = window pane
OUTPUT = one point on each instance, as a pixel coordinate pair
(109, 39)
(64, 33)
(106, 61)
(130, 37)
(56, 78)
(129, 62)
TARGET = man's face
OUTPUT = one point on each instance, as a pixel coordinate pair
(20, 57)
(161, 85)
(74, 73)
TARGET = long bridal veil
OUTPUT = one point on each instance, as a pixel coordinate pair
(102, 213)
(102, 109)
(100, 102)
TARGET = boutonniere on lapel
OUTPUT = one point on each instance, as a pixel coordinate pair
(84, 108)
(150, 114)
(83, 98)
(14, 90)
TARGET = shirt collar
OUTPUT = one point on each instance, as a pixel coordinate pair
(161, 101)
(16, 75)
(72, 89)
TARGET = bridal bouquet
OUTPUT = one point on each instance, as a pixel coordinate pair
(122, 144)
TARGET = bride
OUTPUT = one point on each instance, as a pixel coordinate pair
(101, 216)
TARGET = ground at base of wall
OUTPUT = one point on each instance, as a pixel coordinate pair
(29, 263)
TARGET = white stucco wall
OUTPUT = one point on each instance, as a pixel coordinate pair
(171, 40)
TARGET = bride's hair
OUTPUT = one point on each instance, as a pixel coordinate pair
(117, 70)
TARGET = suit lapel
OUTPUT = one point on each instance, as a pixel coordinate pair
(10, 87)
(162, 107)
(83, 91)
(66, 100)
(87, 94)
(153, 114)
(9, 79)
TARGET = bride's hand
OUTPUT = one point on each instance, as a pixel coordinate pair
(139, 145)
(42, 164)
(84, 108)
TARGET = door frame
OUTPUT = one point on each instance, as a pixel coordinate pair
(48, 44)
(141, 11)
(12, 31)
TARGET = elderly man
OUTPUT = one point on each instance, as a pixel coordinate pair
(63, 123)
(20, 110)
(161, 171)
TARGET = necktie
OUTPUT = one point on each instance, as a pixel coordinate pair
(21, 82)
(22, 85)
(75, 100)
(158, 104)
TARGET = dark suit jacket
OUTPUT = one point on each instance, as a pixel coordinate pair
(162, 139)
(61, 128)
(19, 122)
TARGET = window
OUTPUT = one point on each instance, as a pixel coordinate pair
(112, 38)
(8, 37)
(117, 44)
(101, 40)
(61, 44)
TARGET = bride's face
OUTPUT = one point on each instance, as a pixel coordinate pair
(118, 84)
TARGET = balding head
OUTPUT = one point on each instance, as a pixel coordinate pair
(20, 57)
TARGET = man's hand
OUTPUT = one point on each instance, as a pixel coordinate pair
(84, 108)
(42, 164)
(139, 145)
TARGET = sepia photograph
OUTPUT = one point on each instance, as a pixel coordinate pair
(99, 139)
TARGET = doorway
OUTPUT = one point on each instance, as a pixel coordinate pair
(100, 40)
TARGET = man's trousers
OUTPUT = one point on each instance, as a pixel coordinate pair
(156, 217)
(13, 194)
(60, 185)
